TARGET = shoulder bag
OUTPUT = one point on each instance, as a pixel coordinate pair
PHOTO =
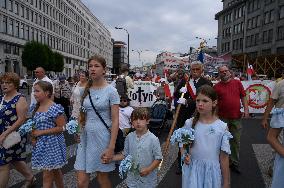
(119, 144)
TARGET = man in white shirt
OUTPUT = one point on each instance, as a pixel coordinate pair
(40, 75)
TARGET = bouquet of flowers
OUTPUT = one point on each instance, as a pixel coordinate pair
(183, 136)
(72, 127)
(128, 165)
(27, 127)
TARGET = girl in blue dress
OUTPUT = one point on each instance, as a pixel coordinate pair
(207, 164)
(97, 143)
(277, 125)
(49, 149)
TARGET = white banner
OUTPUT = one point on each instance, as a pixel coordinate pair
(258, 93)
(142, 95)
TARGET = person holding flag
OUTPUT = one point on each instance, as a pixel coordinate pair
(191, 85)
(250, 72)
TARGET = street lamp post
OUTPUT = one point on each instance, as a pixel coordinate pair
(139, 53)
(127, 43)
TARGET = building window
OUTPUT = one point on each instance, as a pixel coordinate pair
(32, 34)
(268, 17)
(10, 5)
(280, 51)
(280, 33)
(11, 27)
(17, 29)
(4, 25)
(266, 52)
(281, 12)
(22, 11)
(26, 34)
(16, 8)
(7, 48)
(27, 14)
(3, 3)
(22, 31)
(266, 2)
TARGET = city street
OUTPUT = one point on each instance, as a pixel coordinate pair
(255, 155)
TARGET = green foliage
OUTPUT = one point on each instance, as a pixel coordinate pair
(39, 55)
(34, 55)
(58, 63)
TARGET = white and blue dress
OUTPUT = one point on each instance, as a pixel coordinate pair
(50, 150)
(204, 169)
(277, 122)
(95, 137)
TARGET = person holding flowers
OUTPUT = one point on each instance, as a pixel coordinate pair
(13, 109)
(142, 153)
(206, 162)
(49, 149)
(97, 142)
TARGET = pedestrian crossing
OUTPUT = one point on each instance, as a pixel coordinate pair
(70, 180)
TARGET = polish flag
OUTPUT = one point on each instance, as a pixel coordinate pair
(250, 70)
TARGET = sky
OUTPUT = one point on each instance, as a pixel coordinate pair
(158, 25)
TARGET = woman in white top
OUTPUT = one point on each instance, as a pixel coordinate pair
(77, 93)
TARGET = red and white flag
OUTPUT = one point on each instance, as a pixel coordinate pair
(250, 70)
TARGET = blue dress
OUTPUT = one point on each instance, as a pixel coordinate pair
(277, 121)
(204, 170)
(8, 116)
(50, 150)
(95, 136)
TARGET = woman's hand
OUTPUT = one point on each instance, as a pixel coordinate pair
(107, 155)
(2, 137)
(187, 159)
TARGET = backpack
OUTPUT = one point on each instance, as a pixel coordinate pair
(159, 109)
(120, 85)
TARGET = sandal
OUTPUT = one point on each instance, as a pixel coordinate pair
(30, 183)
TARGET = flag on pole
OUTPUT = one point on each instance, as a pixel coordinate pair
(201, 56)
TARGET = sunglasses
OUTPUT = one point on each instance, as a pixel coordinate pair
(123, 100)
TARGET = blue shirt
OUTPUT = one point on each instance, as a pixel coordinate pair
(144, 151)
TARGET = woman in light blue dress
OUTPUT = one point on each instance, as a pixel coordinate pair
(207, 164)
(97, 143)
(277, 125)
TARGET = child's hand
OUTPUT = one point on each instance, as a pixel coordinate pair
(145, 172)
(187, 159)
(77, 138)
(36, 133)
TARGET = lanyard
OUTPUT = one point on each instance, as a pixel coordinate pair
(2, 101)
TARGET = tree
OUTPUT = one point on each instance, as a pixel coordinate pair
(34, 55)
(58, 63)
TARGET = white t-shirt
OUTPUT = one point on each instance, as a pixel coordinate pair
(33, 100)
(124, 117)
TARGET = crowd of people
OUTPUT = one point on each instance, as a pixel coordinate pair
(103, 109)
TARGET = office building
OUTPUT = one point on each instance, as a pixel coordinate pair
(119, 55)
(66, 26)
(255, 27)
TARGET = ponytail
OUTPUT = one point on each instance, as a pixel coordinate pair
(196, 116)
(82, 116)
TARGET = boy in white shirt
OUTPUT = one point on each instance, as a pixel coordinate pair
(124, 114)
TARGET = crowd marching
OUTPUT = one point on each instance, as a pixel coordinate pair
(111, 133)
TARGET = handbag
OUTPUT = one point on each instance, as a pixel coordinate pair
(119, 144)
(12, 139)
